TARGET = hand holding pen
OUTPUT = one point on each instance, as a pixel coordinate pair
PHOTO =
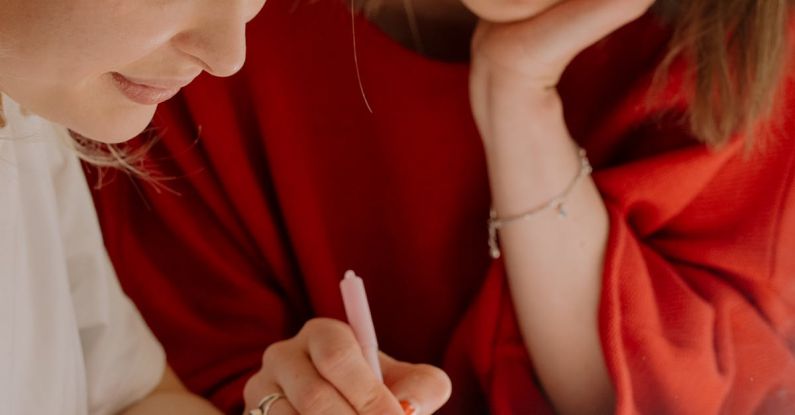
(324, 369)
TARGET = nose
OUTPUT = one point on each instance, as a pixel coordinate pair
(219, 44)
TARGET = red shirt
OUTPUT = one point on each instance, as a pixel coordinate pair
(280, 180)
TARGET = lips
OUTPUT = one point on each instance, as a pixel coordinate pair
(146, 92)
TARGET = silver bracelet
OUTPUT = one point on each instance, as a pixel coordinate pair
(558, 203)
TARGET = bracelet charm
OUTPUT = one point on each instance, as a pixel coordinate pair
(558, 203)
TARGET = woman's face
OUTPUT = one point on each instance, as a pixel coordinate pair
(100, 67)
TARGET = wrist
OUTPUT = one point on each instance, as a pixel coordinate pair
(509, 118)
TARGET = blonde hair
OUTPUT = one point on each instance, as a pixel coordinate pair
(126, 158)
(739, 50)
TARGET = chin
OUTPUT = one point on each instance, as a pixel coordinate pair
(115, 129)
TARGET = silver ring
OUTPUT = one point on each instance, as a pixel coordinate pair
(266, 403)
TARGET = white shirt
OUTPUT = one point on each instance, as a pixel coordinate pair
(71, 343)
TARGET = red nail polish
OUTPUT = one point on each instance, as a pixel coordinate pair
(408, 408)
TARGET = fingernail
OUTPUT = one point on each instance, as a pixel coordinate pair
(408, 408)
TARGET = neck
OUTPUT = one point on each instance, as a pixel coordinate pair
(439, 29)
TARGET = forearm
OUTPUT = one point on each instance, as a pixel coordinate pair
(554, 263)
(171, 398)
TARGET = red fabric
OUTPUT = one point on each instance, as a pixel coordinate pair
(281, 180)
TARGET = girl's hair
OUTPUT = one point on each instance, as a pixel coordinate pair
(126, 157)
(739, 50)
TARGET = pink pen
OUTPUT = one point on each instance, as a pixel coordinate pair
(359, 318)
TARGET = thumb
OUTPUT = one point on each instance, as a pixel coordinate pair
(425, 387)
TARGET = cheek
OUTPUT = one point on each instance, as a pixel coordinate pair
(72, 60)
(55, 40)
(508, 10)
(90, 42)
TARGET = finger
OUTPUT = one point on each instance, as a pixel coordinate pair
(564, 30)
(256, 388)
(337, 356)
(282, 407)
(427, 388)
(308, 392)
(279, 407)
